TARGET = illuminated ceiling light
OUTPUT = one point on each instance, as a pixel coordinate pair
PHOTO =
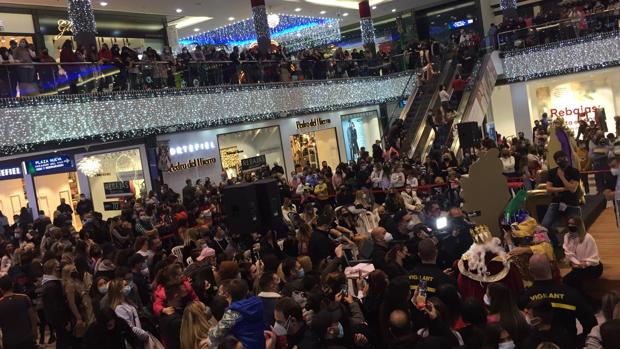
(103, 3)
(188, 21)
(179, 10)
(345, 14)
(196, 29)
(323, 12)
(231, 18)
(89, 166)
(298, 9)
(273, 20)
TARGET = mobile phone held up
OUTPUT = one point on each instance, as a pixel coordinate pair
(420, 301)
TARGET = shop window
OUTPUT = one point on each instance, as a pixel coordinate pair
(119, 178)
(361, 130)
(312, 148)
(248, 150)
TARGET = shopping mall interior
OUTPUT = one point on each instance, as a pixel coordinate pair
(310, 174)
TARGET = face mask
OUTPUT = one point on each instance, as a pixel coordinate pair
(506, 345)
(281, 330)
(615, 171)
(301, 273)
(487, 300)
(18, 236)
(103, 289)
(144, 218)
(340, 331)
(532, 321)
(22, 45)
(127, 290)
(388, 237)
(573, 229)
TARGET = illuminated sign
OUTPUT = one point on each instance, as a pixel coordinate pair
(54, 164)
(460, 24)
(11, 172)
(190, 148)
(253, 162)
(198, 162)
(117, 189)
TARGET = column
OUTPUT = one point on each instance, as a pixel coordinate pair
(263, 34)
(83, 20)
(366, 26)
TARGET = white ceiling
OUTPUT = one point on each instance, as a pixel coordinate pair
(221, 10)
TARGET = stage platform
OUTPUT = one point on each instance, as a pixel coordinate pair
(607, 238)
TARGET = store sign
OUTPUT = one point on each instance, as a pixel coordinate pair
(253, 162)
(54, 164)
(10, 173)
(111, 206)
(198, 162)
(316, 122)
(117, 189)
(190, 148)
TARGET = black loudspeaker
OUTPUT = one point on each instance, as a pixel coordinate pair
(268, 197)
(469, 134)
(240, 208)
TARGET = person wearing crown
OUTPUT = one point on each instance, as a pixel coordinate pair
(485, 262)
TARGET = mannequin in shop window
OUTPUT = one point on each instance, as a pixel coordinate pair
(353, 140)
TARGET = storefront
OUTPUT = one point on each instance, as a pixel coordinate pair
(54, 178)
(304, 141)
(12, 190)
(574, 97)
(113, 176)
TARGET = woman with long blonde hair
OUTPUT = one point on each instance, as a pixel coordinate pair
(117, 300)
(197, 321)
(78, 299)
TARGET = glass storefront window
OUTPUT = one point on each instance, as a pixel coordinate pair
(120, 177)
(312, 148)
(360, 130)
(251, 144)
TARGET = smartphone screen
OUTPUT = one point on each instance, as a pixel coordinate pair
(421, 298)
(344, 290)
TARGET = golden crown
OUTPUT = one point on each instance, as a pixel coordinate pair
(481, 234)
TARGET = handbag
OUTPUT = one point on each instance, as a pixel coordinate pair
(153, 343)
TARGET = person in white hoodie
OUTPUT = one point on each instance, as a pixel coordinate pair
(412, 201)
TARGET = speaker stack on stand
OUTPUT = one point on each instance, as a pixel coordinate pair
(252, 207)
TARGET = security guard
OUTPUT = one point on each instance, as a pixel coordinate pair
(428, 269)
(567, 303)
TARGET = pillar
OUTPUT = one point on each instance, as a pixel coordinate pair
(366, 26)
(83, 20)
(263, 34)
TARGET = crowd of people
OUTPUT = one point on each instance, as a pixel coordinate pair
(358, 261)
(90, 69)
(574, 18)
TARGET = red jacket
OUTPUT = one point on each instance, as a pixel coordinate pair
(160, 296)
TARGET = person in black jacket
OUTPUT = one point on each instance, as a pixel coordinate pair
(321, 246)
(84, 206)
(55, 305)
(109, 332)
(566, 302)
(428, 269)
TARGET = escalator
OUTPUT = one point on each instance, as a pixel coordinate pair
(416, 130)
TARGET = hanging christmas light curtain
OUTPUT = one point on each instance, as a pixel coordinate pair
(82, 17)
(293, 32)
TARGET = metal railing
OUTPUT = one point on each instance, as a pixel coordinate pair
(563, 29)
(37, 78)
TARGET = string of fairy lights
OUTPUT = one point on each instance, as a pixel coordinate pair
(61, 119)
(581, 54)
(368, 31)
(82, 17)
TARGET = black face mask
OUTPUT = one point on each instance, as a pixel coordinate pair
(573, 229)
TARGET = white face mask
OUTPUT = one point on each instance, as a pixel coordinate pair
(615, 171)
(487, 300)
(506, 345)
(388, 237)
